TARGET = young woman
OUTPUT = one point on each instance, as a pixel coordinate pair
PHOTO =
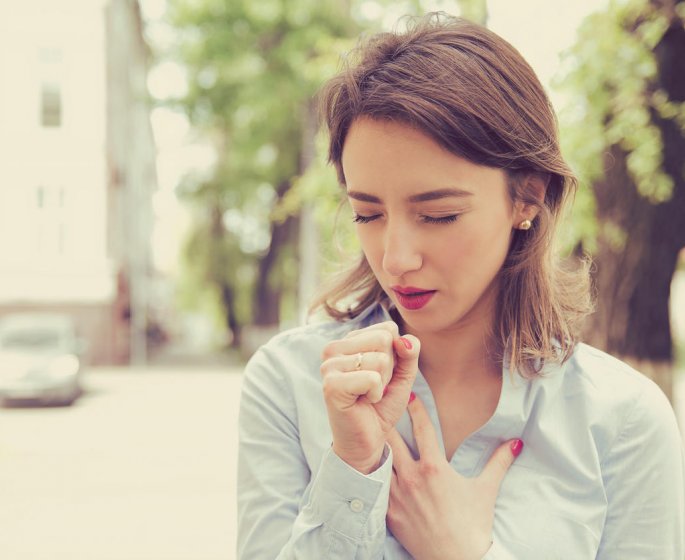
(449, 411)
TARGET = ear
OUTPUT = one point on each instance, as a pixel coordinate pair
(531, 196)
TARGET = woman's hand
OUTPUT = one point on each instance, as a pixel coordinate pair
(367, 378)
(434, 512)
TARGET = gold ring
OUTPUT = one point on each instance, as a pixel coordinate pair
(358, 365)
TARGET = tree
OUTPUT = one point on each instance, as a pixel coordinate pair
(629, 73)
(252, 71)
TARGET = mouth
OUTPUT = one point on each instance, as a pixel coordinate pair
(412, 298)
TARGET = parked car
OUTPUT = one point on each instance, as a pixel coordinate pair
(40, 359)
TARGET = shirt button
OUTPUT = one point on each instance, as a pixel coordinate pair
(357, 506)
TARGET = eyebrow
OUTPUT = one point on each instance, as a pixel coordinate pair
(421, 197)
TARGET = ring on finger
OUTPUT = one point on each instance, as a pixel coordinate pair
(358, 363)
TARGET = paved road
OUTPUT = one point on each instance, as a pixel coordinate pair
(141, 468)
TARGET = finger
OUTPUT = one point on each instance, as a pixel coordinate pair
(371, 340)
(389, 326)
(342, 389)
(424, 432)
(401, 456)
(407, 349)
(498, 465)
(377, 361)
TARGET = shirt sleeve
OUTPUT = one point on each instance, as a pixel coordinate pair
(283, 511)
(644, 474)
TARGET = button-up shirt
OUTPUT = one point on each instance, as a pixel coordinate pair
(601, 475)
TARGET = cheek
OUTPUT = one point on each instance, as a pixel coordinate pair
(480, 251)
(371, 246)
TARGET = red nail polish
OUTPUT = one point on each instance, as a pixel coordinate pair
(412, 396)
(516, 447)
(406, 342)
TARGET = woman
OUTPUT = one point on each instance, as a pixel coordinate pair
(449, 411)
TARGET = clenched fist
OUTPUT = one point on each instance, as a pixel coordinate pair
(367, 378)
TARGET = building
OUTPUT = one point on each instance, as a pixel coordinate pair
(77, 168)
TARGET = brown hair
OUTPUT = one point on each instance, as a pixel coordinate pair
(475, 95)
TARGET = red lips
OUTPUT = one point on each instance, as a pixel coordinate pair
(412, 298)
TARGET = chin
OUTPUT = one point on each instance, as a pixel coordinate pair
(423, 320)
(433, 319)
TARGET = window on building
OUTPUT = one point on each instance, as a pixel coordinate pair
(51, 105)
(51, 71)
(51, 225)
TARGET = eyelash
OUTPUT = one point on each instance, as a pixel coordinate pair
(359, 219)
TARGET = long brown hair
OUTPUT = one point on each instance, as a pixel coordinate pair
(475, 95)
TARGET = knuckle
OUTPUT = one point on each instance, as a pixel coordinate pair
(329, 384)
(329, 350)
(385, 339)
(327, 389)
(374, 377)
(428, 468)
(412, 484)
(383, 361)
(392, 328)
(420, 429)
(503, 462)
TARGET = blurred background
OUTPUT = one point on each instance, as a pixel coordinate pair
(165, 208)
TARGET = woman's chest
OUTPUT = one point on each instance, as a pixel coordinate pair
(551, 505)
(461, 414)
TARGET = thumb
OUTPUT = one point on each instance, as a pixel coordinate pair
(407, 349)
(498, 465)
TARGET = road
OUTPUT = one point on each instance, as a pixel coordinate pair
(142, 468)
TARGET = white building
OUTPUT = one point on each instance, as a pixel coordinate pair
(76, 166)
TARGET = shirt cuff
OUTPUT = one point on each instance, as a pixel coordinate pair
(348, 501)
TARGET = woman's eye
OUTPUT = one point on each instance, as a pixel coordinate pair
(359, 219)
(440, 220)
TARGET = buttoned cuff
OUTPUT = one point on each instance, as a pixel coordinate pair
(349, 502)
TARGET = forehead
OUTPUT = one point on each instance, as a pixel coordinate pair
(378, 155)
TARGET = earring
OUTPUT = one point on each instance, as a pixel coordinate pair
(525, 225)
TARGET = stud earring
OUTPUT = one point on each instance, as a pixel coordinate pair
(525, 225)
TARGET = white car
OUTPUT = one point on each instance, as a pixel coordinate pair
(40, 359)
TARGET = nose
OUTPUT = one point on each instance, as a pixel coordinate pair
(401, 250)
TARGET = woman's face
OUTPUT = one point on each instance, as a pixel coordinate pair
(435, 228)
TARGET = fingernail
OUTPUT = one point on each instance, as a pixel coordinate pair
(406, 342)
(412, 396)
(385, 390)
(516, 447)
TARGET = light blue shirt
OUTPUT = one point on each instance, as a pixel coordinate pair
(601, 474)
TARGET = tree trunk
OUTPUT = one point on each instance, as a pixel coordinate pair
(639, 241)
(228, 302)
(217, 275)
(268, 291)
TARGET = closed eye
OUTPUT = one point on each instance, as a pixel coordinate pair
(440, 220)
(359, 219)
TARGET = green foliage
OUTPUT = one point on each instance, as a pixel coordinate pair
(253, 69)
(610, 74)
